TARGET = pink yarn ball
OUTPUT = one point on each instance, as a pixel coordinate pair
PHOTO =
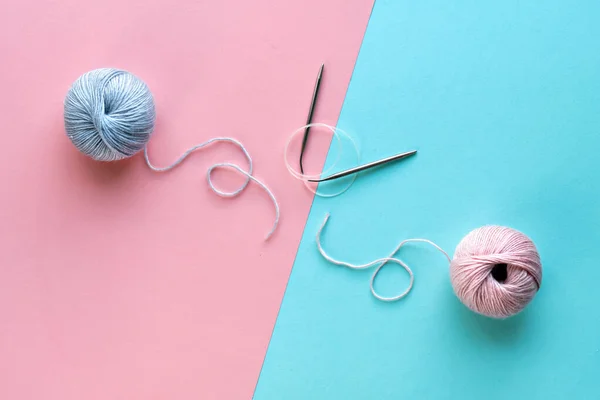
(496, 271)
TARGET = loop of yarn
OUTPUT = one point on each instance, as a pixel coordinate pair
(381, 262)
(337, 135)
(248, 175)
(472, 271)
(110, 114)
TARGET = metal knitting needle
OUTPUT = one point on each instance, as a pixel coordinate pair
(365, 166)
(313, 103)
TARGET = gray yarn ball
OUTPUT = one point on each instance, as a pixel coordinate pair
(109, 114)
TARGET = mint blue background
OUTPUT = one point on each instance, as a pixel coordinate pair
(502, 100)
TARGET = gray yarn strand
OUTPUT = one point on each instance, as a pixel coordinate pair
(200, 146)
(217, 191)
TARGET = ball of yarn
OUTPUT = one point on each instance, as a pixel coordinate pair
(109, 114)
(496, 271)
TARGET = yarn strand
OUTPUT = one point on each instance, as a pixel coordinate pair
(247, 174)
(305, 178)
(381, 261)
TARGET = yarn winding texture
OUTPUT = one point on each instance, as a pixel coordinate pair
(496, 271)
(109, 114)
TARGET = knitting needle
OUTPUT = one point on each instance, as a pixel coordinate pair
(313, 103)
(365, 166)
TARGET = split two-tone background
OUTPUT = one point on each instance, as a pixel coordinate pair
(118, 283)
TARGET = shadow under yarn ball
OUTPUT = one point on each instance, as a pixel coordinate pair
(109, 114)
(496, 271)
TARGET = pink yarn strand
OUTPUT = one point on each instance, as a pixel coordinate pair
(381, 262)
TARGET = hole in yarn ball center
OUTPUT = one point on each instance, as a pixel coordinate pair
(107, 107)
(500, 272)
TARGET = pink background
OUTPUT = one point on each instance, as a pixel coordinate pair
(120, 283)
